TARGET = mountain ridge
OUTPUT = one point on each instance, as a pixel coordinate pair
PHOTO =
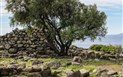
(116, 39)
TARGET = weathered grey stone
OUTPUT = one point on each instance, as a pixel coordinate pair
(111, 73)
(21, 66)
(20, 40)
(28, 69)
(120, 74)
(33, 46)
(101, 72)
(20, 45)
(46, 71)
(67, 64)
(7, 46)
(84, 73)
(77, 59)
(25, 58)
(36, 68)
(75, 63)
(18, 76)
(14, 62)
(54, 64)
(12, 51)
(36, 74)
(71, 73)
(35, 62)
(1, 47)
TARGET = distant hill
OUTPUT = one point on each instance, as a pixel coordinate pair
(116, 39)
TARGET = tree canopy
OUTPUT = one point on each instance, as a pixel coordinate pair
(62, 21)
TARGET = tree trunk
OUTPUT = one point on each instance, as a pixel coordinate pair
(64, 50)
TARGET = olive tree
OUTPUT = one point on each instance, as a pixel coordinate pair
(62, 21)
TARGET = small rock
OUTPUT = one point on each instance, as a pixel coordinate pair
(22, 66)
(1, 47)
(77, 59)
(18, 76)
(14, 62)
(26, 58)
(67, 64)
(35, 62)
(34, 75)
(54, 64)
(76, 63)
(36, 68)
(7, 46)
(46, 71)
(120, 74)
(101, 72)
(84, 73)
(12, 51)
(69, 73)
(28, 69)
(72, 73)
(110, 73)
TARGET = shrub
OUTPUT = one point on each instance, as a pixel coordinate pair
(96, 47)
(99, 47)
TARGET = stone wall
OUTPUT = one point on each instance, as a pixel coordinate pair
(87, 54)
(21, 41)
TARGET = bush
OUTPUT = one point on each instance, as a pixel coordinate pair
(96, 47)
(99, 47)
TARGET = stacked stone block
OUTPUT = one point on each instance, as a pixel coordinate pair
(22, 41)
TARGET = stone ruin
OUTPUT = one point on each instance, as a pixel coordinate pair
(21, 41)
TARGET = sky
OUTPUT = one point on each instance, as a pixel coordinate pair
(112, 8)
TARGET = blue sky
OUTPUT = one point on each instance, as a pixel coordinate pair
(112, 8)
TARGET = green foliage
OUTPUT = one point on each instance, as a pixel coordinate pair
(96, 47)
(99, 47)
(62, 21)
(75, 67)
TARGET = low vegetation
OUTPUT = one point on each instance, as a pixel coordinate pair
(104, 48)
(90, 64)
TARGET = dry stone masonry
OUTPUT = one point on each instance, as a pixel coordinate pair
(20, 41)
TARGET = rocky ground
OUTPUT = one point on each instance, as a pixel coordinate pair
(59, 67)
(24, 55)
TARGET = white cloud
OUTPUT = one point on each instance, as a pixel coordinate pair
(2, 8)
(100, 3)
(113, 4)
(103, 2)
